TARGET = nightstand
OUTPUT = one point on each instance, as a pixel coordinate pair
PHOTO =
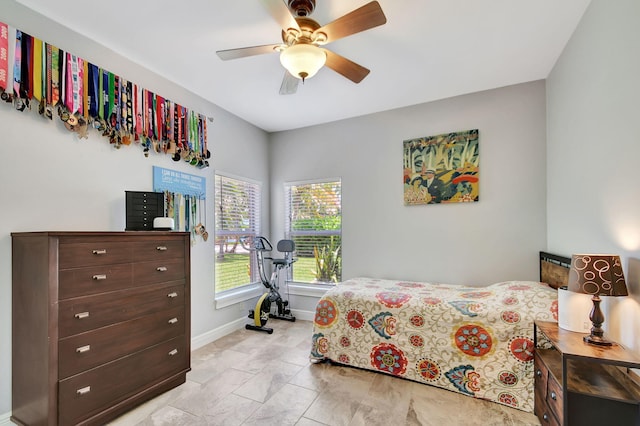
(581, 384)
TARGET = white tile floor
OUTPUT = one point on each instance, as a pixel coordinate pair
(253, 378)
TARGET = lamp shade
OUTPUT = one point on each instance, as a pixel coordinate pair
(597, 274)
(303, 60)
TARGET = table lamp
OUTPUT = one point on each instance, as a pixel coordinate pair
(598, 275)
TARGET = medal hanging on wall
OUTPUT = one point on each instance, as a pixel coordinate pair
(48, 92)
(4, 61)
(177, 130)
(17, 73)
(200, 228)
(63, 111)
(37, 75)
(205, 234)
(26, 72)
(73, 91)
(54, 93)
(82, 111)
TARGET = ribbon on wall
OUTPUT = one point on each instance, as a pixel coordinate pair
(87, 96)
(4, 58)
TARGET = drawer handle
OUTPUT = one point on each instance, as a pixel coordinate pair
(83, 390)
(545, 417)
(553, 395)
(82, 349)
(161, 248)
(172, 295)
(82, 315)
(539, 373)
(100, 277)
(173, 320)
(161, 269)
(173, 352)
(101, 251)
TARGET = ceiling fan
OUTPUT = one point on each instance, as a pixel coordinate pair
(300, 51)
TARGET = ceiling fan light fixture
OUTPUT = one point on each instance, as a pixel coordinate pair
(303, 60)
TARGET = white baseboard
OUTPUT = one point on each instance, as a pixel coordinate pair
(215, 334)
(303, 315)
(5, 419)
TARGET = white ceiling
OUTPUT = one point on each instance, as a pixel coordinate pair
(427, 50)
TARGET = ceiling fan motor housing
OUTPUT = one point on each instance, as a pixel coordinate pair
(302, 7)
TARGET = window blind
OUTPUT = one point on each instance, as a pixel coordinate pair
(237, 220)
(314, 222)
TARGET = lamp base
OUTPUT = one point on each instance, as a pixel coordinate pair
(597, 340)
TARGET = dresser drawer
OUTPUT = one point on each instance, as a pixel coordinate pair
(88, 393)
(87, 350)
(541, 373)
(543, 411)
(82, 314)
(554, 397)
(94, 279)
(161, 249)
(158, 271)
(80, 254)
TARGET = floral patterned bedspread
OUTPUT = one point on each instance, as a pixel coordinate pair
(475, 341)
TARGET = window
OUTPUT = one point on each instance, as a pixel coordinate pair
(237, 207)
(314, 222)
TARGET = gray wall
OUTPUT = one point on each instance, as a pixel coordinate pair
(579, 176)
(593, 106)
(50, 180)
(493, 240)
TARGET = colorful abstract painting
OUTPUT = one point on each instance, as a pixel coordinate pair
(442, 168)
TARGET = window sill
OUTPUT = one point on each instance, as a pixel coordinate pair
(312, 290)
(232, 297)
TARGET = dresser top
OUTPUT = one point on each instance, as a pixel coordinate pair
(95, 233)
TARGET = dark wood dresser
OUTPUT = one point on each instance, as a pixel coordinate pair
(100, 323)
(581, 384)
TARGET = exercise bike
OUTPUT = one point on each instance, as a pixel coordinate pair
(263, 310)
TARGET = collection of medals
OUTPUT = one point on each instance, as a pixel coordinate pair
(187, 212)
(83, 95)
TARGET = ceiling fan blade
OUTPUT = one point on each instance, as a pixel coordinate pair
(243, 52)
(345, 67)
(366, 17)
(280, 12)
(289, 84)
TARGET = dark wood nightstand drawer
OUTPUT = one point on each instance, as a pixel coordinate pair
(87, 350)
(82, 314)
(88, 393)
(541, 373)
(554, 397)
(543, 412)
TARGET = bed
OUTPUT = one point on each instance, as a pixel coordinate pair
(475, 341)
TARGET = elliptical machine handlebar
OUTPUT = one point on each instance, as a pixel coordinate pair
(262, 244)
(259, 243)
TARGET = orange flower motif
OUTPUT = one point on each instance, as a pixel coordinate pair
(473, 381)
(390, 325)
